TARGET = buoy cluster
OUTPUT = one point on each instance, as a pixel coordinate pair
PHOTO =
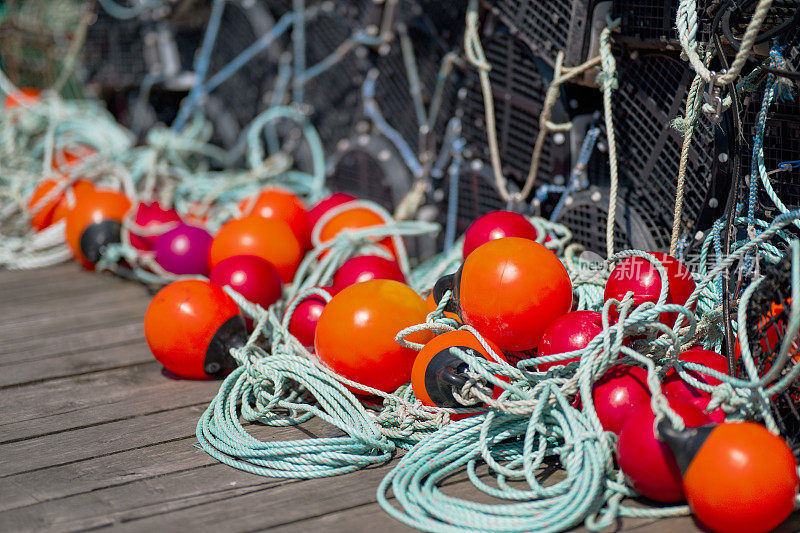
(510, 300)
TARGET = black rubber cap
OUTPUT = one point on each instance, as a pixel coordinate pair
(684, 444)
(444, 372)
(231, 334)
(450, 282)
(96, 238)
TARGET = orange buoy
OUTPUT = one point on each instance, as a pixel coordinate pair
(270, 239)
(26, 95)
(354, 219)
(94, 223)
(737, 477)
(355, 335)
(71, 197)
(511, 290)
(283, 205)
(436, 371)
(56, 209)
(191, 325)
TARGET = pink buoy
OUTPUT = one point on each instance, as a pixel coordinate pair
(364, 268)
(567, 333)
(639, 276)
(649, 463)
(252, 277)
(325, 205)
(675, 387)
(183, 250)
(150, 216)
(496, 225)
(303, 324)
(617, 393)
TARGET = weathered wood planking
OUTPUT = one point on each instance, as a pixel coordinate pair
(92, 435)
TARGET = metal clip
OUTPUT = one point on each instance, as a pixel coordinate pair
(713, 97)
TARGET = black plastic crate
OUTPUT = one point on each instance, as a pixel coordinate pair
(477, 194)
(651, 23)
(368, 166)
(448, 18)
(652, 91)
(393, 88)
(519, 81)
(585, 213)
(548, 27)
(781, 141)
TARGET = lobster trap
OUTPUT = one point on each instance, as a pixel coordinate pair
(767, 323)
(550, 27)
(34, 36)
(652, 91)
(585, 214)
(519, 80)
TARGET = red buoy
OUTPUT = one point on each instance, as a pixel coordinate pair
(436, 372)
(94, 223)
(270, 239)
(675, 387)
(283, 205)
(303, 324)
(24, 96)
(357, 218)
(568, 333)
(325, 205)
(355, 335)
(496, 225)
(620, 391)
(252, 277)
(149, 216)
(638, 275)
(364, 268)
(647, 462)
(191, 325)
(511, 290)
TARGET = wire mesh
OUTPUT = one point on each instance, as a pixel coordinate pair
(113, 54)
(243, 93)
(585, 213)
(548, 27)
(334, 95)
(767, 320)
(652, 91)
(519, 81)
(781, 141)
(369, 167)
(394, 89)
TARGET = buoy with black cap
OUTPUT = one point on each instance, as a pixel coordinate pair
(510, 290)
(94, 223)
(191, 326)
(438, 372)
(737, 476)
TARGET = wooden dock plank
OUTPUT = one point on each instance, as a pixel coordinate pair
(94, 399)
(195, 480)
(93, 435)
(89, 359)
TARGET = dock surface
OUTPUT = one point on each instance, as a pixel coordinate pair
(94, 436)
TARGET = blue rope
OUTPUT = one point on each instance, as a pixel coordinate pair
(373, 112)
(202, 62)
(579, 171)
